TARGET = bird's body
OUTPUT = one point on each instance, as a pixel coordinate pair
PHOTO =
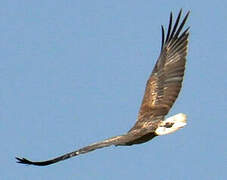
(162, 89)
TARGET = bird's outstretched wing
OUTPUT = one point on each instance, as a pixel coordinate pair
(117, 140)
(164, 83)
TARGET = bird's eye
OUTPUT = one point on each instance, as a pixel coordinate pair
(168, 125)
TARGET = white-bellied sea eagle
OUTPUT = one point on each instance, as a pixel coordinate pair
(162, 89)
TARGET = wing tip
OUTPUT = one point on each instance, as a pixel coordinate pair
(175, 31)
(23, 161)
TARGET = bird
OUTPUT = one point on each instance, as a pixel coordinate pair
(162, 89)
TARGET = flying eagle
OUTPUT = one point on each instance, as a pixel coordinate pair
(162, 89)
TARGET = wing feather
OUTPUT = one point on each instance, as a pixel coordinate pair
(122, 140)
(164, 84)
(117, 140)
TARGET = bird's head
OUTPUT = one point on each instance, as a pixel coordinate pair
(171, 124)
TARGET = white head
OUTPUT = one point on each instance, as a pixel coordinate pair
(171, 124)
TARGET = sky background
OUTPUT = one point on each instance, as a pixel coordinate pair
(74, 72)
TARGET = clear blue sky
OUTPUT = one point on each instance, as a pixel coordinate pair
(74, 72)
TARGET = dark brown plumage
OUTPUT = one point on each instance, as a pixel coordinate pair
(162, 89)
